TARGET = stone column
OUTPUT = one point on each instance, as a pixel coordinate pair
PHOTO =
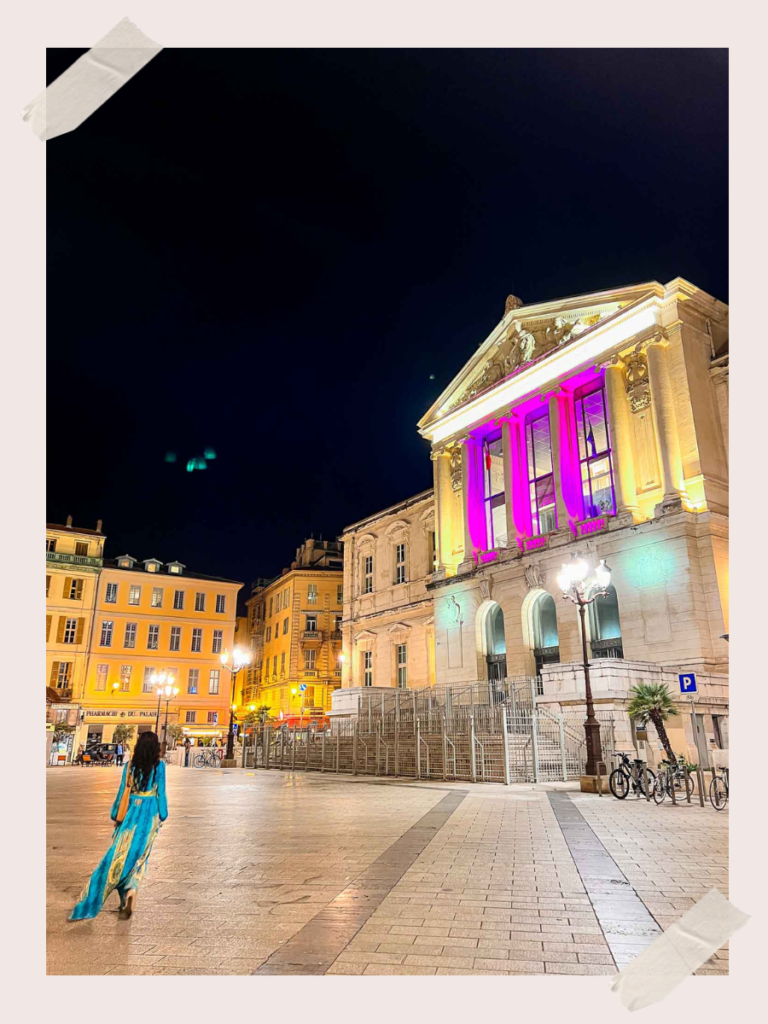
(443, 493)
(662, 403)
(620, 427)
(554, 433)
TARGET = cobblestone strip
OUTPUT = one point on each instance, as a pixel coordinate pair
(317, 945)
(625, 920)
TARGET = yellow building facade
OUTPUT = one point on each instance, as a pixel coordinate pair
(151, 617)
(295, 629)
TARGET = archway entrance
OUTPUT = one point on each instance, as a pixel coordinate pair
(495, 645)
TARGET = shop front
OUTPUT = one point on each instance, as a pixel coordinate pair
(99, 724)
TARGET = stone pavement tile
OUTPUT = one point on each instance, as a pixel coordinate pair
(360, 957)
(342, 968)
(397, 969)
(127, 970)
(589, 958)
(511, 966)
(557, 968)
(397, 947)
(449, 942)
(430, 931)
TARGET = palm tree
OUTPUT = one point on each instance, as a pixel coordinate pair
(652, 701)
(123, 733)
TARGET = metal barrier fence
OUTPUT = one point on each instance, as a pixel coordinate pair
(482, 732)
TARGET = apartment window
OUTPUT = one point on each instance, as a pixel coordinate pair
(274, 666)
(312, 593)
(218, 640)
(102, 671)
(309, 659)
(110, 596)
(269, 633)
(221, 604)
(594, 451)
(146, 683)
(134, 594)
(541, 481)
(402, 665)
(367, 668)
(368, 574)
(125, 678)
(197, 640)
(130, 634)
(47, 585)
(50, 544)
(493, 492)
(337, 623)
(285, 625)
(178, 600)
(270, 608)
(157, 597)
(282, 664)
(175, 638)
(70, 631)
(61, 675)
(192, 680)
(73, 589)
(81, 548)
(213, 718)
(189, 717)
(106, 633)
(153, 638)
(340, 593)
(400, 563)
(48, 620)
(199, 602)
(213, 680)
(311, 623)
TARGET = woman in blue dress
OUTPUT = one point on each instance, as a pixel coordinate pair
(125, 862)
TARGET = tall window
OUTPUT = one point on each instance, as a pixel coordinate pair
(605, 626)
(311, 626)
(157, 597)
(110, 597)
(221, 603)
(213, 680)
(402, 665)
(125, 678)
(199, 602)
(102, 671)
(107, 628)
(73, 589)
(47, 585)
(269, 633)
(312, 593)
(282, 664)
(70, 631)
(146, 683)
(192, 680)
(367, 668)
(50, 544)
(274, 666)
(309, 659)
(134, 595)
(213, 718)
(339, 593)
(153, 638)
(400, 563)
(178, 600)
(175, 638)
(541, 481)
(368, 574)
(197, 640)
(62, 674)
(433, 548)
(189, 717)
(218, 640)
(130, 634)
(285, 625)
(493, 492)
(594, 451)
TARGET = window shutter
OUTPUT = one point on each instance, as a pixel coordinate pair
(78, 589)
(67, 586)
(60, 629)
(48, 619)
(54, 673)
(79, 633)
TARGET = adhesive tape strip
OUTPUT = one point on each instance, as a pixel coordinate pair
(91, 80)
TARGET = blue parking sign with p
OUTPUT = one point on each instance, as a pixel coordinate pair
(688, 683)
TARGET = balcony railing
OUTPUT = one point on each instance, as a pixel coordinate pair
(62, 556)
(310, 673)
(336, 634)
(312, 634)
(612, 648)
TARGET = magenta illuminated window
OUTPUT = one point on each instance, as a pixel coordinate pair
(594, 451)
(541, 481)
(493, 492)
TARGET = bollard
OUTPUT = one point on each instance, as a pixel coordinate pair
(671, 781)
(599, 780)
(687, 787)
(700, 776)
(647, 784)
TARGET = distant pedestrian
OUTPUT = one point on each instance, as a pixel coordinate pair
(139, 809)
(187, 748)
(119, 754)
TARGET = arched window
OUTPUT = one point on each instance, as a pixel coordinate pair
(605, 626)
(495, 644)
(546, 644)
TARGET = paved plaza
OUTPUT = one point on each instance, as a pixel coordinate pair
(295, 873)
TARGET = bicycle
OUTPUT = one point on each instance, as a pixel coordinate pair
(719, 790)
(629, 773)
(673, 776)
(210, 759)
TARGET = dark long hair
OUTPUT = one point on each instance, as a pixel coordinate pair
(146, 756)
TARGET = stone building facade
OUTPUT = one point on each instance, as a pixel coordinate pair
(596, 424)
(387, 624)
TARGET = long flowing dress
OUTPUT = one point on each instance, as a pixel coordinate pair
(125, 862)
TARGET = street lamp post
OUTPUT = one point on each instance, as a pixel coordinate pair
(166, 691)
(572, 580)
(234, 662)
(158, 681)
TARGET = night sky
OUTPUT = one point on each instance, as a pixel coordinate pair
(273, 257)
